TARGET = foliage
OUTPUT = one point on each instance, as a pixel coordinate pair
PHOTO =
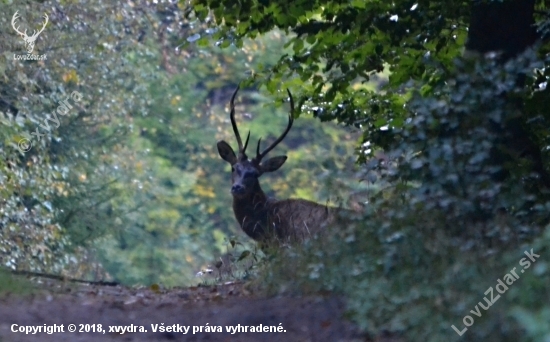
(12, 284)
(402, 273)
(338, 46)
(455, 144)
(129, 185)
(459, 139)
(240, 261)
(45, 187)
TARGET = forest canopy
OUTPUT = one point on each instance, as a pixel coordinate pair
(465, 100)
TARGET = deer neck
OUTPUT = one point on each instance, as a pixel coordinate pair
(251, 212)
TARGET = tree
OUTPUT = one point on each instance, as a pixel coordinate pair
(338, 46)
(460, 131)
(128, 183)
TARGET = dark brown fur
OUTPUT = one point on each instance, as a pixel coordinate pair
(261, 218)
(290, 220)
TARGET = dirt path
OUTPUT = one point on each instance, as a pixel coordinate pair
(304, 319)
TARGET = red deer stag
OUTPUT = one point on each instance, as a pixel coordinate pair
(265, 219)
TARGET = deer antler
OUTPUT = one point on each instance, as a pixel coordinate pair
(242, 149)
(14, 20)
(259, 155)
(43, 27)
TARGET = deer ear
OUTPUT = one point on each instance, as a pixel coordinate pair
(226, 152)
(272, 164)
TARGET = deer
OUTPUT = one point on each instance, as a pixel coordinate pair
(266, 219)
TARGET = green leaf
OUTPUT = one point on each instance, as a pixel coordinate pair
(359, 3)
(380, 122)
(243, 255)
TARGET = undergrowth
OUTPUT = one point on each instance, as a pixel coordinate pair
(407, 271)
(13, 284)
(240, 262)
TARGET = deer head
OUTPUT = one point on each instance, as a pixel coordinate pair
(29, 40)
(245, 172)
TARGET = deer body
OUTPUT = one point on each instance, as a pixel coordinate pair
(261, 218)
(287, 220)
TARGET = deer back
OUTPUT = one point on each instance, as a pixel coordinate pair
(296, 219)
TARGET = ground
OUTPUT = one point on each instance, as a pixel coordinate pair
(312, 318)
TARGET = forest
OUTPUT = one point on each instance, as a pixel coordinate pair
(416, 154)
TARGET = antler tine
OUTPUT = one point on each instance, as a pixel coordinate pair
(258, 148)
(234, 124)
(14, 21)
(259, 155)
(246, 142)
(43, 26)
(15, 17)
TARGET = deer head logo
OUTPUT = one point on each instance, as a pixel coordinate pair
(29, 40)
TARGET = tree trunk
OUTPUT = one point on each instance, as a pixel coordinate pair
(508, 27)
(503, 26)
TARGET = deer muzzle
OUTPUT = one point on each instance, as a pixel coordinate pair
(237, 189)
